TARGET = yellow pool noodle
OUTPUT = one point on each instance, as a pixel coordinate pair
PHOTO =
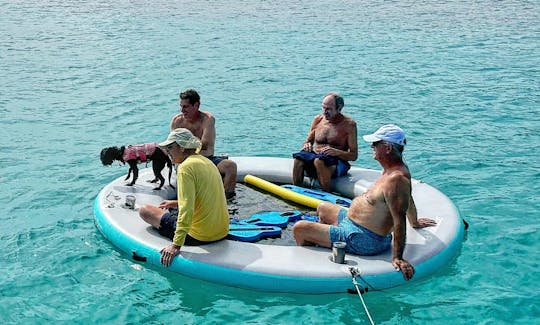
(282, 192)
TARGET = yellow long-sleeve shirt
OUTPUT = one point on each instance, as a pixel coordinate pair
(202, 207)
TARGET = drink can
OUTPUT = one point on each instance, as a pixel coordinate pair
(338, 252)
(130, 202)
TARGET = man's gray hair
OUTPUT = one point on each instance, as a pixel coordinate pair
(338, 100)
(397, 149)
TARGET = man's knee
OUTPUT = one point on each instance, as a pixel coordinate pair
(322, 170)
(227, 167)
(319, 163)
(327, 212)
(151, 215)
(299, 229)
(145, 212)
(321, 167)
(323, 208)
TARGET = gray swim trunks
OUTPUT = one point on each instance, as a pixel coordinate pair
(360, 240)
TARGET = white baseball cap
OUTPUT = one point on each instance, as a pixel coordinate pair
(389, 133)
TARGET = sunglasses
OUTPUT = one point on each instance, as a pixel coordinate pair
(170, 146)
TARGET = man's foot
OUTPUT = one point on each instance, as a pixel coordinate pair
(230, 195)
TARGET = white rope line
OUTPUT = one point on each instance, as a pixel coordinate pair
(354, 273)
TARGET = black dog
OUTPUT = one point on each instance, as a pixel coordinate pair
(134, 154)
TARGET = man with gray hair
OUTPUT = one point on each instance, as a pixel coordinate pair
(202, 207)
(330, 144)
(366, 227)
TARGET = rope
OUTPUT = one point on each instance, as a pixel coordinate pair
(354, 273)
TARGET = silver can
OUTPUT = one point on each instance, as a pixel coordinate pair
(338, 252)
(130, 202)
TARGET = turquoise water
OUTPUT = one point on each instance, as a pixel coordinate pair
(461, 77)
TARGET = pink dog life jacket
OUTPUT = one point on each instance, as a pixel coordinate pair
(140, 152)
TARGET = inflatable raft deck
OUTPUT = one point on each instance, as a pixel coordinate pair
(278, 268)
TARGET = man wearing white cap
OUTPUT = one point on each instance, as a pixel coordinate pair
(366, 227)
(202, 208)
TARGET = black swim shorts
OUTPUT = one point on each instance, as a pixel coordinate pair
(167, 227)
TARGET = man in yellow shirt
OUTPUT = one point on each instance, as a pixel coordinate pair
(202, 208)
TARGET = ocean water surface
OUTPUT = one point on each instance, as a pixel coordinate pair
(461, 78)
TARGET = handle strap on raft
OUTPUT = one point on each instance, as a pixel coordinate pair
(354, 273)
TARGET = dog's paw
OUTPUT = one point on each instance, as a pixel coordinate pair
(130, 184)
(157, 188)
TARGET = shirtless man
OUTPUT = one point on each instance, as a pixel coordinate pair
(384, 208)
(202, 125)
(330, 145)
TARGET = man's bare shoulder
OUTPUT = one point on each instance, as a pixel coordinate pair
(177, 120)
(397, 179)
(208, 117)
(317, 119)
(349, 121)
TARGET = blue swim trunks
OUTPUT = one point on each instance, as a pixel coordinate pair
(342, 166)
(360, 240)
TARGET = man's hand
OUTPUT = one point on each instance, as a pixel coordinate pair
(329, 151)
(168, 253)
(167, 204)
(405, 267)
(307, 146)
(424, 222)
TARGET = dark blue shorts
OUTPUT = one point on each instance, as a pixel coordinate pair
(342, 166)
(216, 159)
(167, 227)
(360, 240)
